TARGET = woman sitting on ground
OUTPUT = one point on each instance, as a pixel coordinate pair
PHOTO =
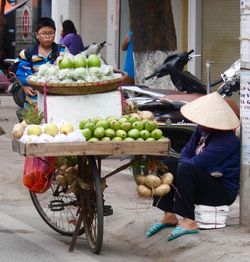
(208, 172)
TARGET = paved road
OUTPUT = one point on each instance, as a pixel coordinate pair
(25, 237)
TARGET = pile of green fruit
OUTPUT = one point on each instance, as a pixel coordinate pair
(75, 69)
(126, 128)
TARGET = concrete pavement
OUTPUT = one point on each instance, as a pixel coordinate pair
(132, 215)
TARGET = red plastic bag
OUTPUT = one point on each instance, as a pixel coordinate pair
(38, 172)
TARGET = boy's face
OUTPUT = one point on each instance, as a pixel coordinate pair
(46, 36)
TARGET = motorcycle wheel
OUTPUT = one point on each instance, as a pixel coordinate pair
(18, 95)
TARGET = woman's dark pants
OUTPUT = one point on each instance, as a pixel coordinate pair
(193, 186)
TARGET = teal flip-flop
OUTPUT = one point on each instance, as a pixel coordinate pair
(155, 228)
(180, 231)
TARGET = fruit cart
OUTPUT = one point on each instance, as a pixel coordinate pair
(88, 201)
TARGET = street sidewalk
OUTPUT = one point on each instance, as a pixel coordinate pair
(132, 215)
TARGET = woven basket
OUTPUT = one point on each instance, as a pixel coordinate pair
(77, 88)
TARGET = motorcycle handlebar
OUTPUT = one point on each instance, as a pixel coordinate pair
(190, 52)
(102, 44)
(216, 82)
(150, 76)
(161, 70)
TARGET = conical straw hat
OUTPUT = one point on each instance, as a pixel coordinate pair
(211, 111)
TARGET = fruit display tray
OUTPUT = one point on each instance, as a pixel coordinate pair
(77, 88)
(159, 148)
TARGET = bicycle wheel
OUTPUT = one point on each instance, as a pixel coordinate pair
(92, 209)
(58, 209)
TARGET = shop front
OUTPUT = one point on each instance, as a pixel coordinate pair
(21, 19)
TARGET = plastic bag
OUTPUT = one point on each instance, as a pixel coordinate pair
(38, 172)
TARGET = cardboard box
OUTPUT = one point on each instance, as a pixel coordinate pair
(73, 108)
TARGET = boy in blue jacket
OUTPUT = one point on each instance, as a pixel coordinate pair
(44, 51)
(209, 166)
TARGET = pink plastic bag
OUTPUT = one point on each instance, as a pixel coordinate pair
(38, 172)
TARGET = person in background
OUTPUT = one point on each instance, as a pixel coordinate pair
(70, 38)
(127, 45)
(208, 171)
(45, 50)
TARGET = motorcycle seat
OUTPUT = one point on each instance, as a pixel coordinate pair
(178, 100)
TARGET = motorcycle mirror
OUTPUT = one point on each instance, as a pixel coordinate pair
(230, 73)
(197, 55)
(152, 80)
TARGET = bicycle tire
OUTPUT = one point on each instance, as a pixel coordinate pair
(93, 210)
(18, 95)
(61, 221)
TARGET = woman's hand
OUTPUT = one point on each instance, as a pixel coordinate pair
(125, 42)
(29, 90)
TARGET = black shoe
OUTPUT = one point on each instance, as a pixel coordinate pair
(107, 210)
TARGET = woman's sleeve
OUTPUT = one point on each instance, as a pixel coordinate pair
(189, 150)
(218, 149)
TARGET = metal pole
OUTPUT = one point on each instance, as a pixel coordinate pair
(208, 67)
(245, 114)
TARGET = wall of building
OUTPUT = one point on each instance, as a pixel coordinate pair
(94, 22)
(26, 18)
(213, 35)
(65, 9)
(46, 8)
(220, 34)
(178, 17)
(113, 20)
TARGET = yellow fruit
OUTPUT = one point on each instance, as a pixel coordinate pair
(66, 128)
(51, 129)
(34, 130)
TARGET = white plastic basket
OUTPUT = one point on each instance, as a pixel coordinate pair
(208, 217)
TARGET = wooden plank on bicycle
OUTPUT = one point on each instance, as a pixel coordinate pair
(95, 148)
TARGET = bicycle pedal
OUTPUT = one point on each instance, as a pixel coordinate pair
(56, 205)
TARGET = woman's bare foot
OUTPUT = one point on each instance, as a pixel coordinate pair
(170, 219)
(188, 224)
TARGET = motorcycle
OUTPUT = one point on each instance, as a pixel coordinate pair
(166, 104)
(4, 77)
(14, 87)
